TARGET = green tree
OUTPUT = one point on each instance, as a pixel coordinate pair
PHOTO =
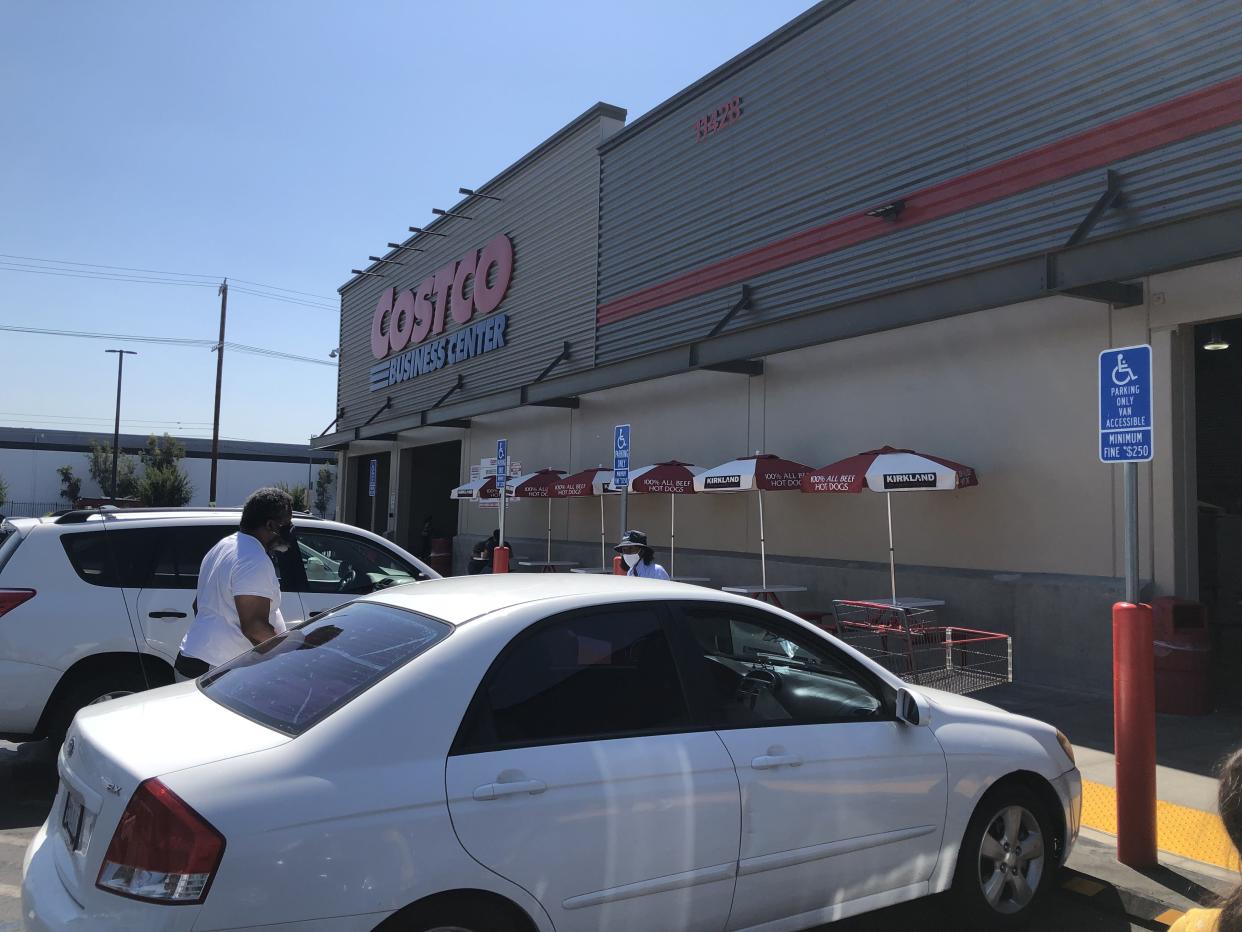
(323, 488)
(70, 485)
(162, 452)
(165, 487)
(4, 491)
(299, 493)
(100, 468)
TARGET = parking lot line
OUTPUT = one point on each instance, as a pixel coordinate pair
(7, 889)
(1083, 886)
(14, 841)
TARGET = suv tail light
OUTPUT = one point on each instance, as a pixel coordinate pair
(11, 598)
(162, 850)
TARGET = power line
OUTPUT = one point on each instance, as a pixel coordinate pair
(171, 341)
(123, 268)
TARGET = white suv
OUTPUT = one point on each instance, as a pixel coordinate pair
(93, 604)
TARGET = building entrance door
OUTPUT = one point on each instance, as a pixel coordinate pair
(1218, 457)
(428, 475)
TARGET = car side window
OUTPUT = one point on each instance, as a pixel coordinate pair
(339, 563)
(746, 669)
(89, 555)
(178, 554)
(585, 676)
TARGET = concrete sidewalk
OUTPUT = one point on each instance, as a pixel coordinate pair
(1188, 751)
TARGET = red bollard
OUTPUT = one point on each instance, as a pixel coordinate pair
(618, 566)
(1134, 734)
(500, 559)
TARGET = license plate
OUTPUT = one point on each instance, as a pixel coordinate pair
(72, 820)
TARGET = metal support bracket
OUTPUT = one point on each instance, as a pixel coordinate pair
(445, 397)
(1112, 197)
(560, 357)
(749, 367)
(1117, 294)
(384, 407)
(742, 303)
(569, 401)
(340, 413)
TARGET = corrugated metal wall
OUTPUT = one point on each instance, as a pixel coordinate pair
(550, 212)
(881, 99)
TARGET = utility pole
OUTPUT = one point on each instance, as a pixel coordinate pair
(215, 426)
(116, 431)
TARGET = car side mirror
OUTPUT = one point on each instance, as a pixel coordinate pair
(912, 708)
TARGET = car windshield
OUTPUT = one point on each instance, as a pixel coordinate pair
(304, 675)
(325, 565)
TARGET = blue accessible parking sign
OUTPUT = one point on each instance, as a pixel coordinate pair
(1126, 433)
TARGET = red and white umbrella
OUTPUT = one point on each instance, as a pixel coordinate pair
(761, 472)
(595, 481)
(671, 479)
(890, 470)
(537, 484)
(475, 490)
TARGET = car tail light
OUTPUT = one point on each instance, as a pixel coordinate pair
(162, 850)
(11, 598)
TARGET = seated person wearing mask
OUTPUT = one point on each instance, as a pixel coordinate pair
(638, 557)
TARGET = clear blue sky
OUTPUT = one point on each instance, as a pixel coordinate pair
(281, 143)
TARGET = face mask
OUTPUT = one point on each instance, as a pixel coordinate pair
(630, 558)
(284, 539)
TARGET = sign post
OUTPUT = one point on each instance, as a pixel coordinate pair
(500, 563)
(621, 470)
(1127, 437)
(371, 483)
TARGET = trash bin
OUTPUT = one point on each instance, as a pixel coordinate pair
(441, 558)
(1183, 654)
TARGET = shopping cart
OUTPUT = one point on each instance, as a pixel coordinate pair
(910, 643)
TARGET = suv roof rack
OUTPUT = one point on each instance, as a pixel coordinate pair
(81, 515)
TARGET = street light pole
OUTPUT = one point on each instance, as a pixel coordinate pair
(116, 431)
(215, 426)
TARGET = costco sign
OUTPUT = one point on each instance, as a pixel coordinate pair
(476, 281)
(410, 323)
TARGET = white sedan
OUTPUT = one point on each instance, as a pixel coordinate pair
(531, 752)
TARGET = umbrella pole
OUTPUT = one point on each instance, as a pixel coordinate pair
(892, 563)
(549, 529)
(672, 535)
(763, 555)
(603, 559)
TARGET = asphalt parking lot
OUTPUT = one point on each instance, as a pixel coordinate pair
(28, 774)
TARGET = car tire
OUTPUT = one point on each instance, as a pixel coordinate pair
(455, 915)
(1007, 859)
(93, 688)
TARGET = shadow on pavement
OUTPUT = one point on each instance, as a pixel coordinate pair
(1193, 743)
(28, 773)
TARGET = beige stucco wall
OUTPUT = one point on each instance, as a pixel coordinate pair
(1009, 391)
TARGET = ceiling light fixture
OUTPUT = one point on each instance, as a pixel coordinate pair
(1215, 342)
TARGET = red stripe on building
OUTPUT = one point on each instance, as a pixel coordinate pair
(1202, 111)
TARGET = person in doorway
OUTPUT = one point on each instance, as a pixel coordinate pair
(638, 557)
(425, 539)
(492, 543)
(237, 605)
(479, 560)
(1228, 916)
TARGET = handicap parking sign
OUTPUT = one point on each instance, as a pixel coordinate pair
(621, 456)
(1126, 431)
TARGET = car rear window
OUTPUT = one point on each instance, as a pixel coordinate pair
(9, 539)
(301, 677)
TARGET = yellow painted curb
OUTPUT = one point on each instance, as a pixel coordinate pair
(1192, 833)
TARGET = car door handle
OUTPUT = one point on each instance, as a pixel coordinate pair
(516, 788)
(772, 761)
(166, 614)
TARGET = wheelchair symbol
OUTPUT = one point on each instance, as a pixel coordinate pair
(623, 439)
(1122, 373)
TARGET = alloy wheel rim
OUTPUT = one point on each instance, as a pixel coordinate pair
(1011, 860)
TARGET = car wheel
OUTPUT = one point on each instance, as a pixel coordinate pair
(93, 689)
(455, 915)
(1006, 860)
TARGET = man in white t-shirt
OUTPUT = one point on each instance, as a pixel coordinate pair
(238, 601)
